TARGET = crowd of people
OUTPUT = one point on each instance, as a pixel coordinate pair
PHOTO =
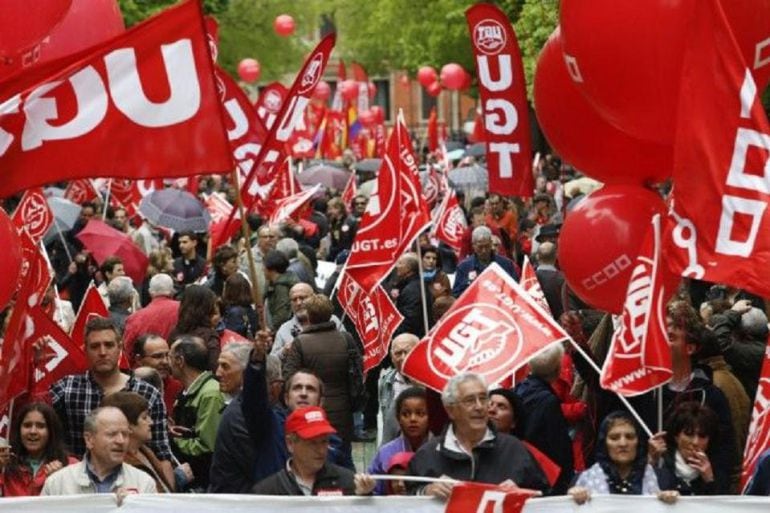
(278, 411)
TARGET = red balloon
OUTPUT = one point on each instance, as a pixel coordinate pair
(434, 89)
(372, 90)
(582, 137)
(249, 70)
(88, 23)
(452, 76)
(426, 76)
(600, 240)
(284, 25)
(379, 113)
(467, 81)
(366, 117)
(10, 258)
(24, 24)
(349, 89)
(322, 91)
(626, 57)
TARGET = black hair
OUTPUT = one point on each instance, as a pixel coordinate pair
(410, 393)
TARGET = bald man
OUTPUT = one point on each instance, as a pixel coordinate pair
(392, 383)
(298, 294)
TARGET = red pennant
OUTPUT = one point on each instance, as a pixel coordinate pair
(503, 92)
(470, 497)
(395, 215)
(719, 215)
(92, 305)
(350, 191)
(33, 214)
(531, 284)
(91, 114)
(759, 429)
(492, 329)
(451, 224)
(640, 352)
(374, 316)
(60, 356)
(290, 206)
(80, 191)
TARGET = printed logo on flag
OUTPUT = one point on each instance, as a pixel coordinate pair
(312, 74)
(489, 37)
(35, 214)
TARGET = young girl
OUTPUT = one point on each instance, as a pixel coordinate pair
(412, 415)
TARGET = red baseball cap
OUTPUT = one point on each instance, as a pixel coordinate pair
(309, 422)
(399, 460)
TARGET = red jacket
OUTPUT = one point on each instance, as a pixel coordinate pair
(23, 483)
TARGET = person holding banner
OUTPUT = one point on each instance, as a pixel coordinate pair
(469, 449)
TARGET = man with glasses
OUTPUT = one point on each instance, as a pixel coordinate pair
(267, 238)
(483, 255)
(151, 350)
(469, 449)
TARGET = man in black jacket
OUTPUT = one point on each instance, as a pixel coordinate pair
(307, 472)
(407, 296)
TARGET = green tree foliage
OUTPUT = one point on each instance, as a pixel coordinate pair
(135, 11)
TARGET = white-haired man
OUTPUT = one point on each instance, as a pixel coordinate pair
(159, 317)
(483, 255)
(469, 450)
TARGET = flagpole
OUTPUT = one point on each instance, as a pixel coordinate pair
(422, 287)
(63, 240)
(246, 232)
(107, 199)
(660, 408)
(291, 175)
(625, 402)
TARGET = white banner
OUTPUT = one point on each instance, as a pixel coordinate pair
(263, 504)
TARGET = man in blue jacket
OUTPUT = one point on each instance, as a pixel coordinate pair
(483, 255)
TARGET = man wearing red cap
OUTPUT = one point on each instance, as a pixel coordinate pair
(307, 471)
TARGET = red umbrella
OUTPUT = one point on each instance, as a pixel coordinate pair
(104, 241)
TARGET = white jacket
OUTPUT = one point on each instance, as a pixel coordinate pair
(73, 480)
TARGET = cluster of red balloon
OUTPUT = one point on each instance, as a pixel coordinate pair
(453, 77)
(606, 92)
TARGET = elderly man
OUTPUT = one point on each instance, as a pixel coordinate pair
(307, 472)
(298, 294)
(470, 268)
(121, 294)
(267, 238)
(469, 450)
(407, 293)
(159, 317)
(230, 364)
(151, 350)
(197, 410)
(106, 434)
(392, 383)
(551, 279)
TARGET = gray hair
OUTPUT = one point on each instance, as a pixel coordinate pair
(546, 253)
(240, 351)
(274, 372)
(754, 324)
(120, 290)
(547, 363)
(288, 247)
(150, 375)
(481, 233)
(92, 419)
(452, 388)
(161, 285)
(412, 261)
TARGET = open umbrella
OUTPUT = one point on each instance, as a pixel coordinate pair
(104, 241)
(469, 176)
(453, 145)
(477, 150)
(370, 165)
(455, 154)
(65, 215)
(330, 177)
(175, 209)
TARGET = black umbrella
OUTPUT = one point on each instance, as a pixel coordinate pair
(175, 209)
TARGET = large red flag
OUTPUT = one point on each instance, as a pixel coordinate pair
(503, 92)
(395, 214)
(759, 429)
(468, 497)
(531, 284)
(450, 223)
(33, 214)
(640, 352)
(92, 305)
(719, 214)
(59, 357)
(494, 328)
(374, 316)
(117, 109)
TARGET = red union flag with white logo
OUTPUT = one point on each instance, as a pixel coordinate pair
(395, 214)
(80, 191)
(142, 104)
(450, 223)
(503, 101)
(59, 357)
(374, 316)
(290, 206)
(640, 352)
(759, 429)
(33, 214)
(270, 101)
(531, 284)
(492, 329)
(470, 497)
(720, 219)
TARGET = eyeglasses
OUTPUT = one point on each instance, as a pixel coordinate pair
(360, 203)
(470, 402)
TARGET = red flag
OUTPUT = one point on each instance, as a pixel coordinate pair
(15, 356)
(503, 92)
(269, 103)
(640, 352)
(531, 284)
(433, 130)
(92, 305)
(395, 214)
(220, 210)
(374, 316)
(492, 329)
(432, 185)
(450, 223)
(34, 267)
(229, 336)
(720, 214)
(380, 140)
(80, 191)
(91, 114)
(759, 429)
(284, 185)
(350, 191)
(289, 206)
(60, 356)
(33, 214)
(470, 497)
